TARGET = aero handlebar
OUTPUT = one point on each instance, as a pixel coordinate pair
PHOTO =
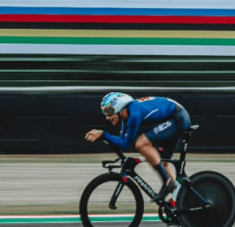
(115, 149)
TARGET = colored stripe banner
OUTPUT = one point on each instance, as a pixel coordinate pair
(117, 26)
(73, 219)
(116, 11)
(116, 33)
(179, 50)
(117, 41)
(117, 19)
(205, 4)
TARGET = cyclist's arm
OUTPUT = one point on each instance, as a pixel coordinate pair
(131, 133)
(123, 129)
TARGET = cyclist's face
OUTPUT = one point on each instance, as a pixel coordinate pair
(114, 119)
(124, 114)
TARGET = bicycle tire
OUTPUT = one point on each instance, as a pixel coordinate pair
(218, 191)
(105, 178)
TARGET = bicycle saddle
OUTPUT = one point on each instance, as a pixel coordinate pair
(192, 129)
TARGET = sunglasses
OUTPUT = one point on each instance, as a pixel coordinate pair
(108, 112)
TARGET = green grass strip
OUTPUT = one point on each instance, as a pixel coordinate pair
(73, 220)
(117, 41)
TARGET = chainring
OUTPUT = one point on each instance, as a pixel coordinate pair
(166, 215)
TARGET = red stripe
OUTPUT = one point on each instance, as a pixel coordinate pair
(117, 19)
(138, 161)
(173, 203)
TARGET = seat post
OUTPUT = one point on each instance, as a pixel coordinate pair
(185, 141)
(185, 145)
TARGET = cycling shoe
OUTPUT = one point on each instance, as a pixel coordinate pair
(165, 190)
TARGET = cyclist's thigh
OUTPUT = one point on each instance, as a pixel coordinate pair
(164, 131)
(165, 136)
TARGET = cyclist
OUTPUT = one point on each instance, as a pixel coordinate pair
(169, 118)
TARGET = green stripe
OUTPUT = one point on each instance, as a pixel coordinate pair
(116, 41)
(39, 220)
(72, 220)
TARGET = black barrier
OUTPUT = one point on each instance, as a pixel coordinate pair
(55, 121)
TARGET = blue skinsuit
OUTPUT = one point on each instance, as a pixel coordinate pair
(149, 110)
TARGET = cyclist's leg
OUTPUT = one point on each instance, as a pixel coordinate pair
(166, 131)
(168, 148)
(145, 146)
(169, 171)
(149, 144)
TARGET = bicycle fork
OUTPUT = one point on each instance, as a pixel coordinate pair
(116, 193)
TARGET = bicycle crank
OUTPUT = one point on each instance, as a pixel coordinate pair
(167, 215)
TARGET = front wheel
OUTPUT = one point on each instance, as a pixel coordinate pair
(95, 202)
(217, 190)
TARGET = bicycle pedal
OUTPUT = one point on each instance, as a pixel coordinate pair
(154, 201)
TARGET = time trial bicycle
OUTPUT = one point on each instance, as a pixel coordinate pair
(205, 199)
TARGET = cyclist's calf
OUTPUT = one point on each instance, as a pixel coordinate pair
(169, 171)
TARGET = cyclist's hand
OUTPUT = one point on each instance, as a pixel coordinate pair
(93, 135)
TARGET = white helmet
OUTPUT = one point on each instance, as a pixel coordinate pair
(114, 102)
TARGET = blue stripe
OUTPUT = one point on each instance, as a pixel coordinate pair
(117, 11)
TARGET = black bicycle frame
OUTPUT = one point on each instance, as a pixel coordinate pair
(128, 165)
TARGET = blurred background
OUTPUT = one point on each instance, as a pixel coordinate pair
(59, 58)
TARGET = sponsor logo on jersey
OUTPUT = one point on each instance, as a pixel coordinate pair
(162, 127)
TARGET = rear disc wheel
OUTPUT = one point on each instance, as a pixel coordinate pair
(218, 191)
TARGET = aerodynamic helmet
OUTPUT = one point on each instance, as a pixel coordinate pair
(114, 102)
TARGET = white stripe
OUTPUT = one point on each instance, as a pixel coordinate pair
(37, 216)
(150, 113)
(69, 216)
(143, 159)
(176, 191)
(210, 4)
(119, 188)
(118, 49)
(76, 89)
(171, 100)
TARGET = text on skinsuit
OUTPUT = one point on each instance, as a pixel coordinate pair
(162, 127)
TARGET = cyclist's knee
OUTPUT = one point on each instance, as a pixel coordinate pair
(138, 144)
(142, 142)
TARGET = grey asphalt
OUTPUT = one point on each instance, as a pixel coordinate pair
(30, 188)
(61, 184)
